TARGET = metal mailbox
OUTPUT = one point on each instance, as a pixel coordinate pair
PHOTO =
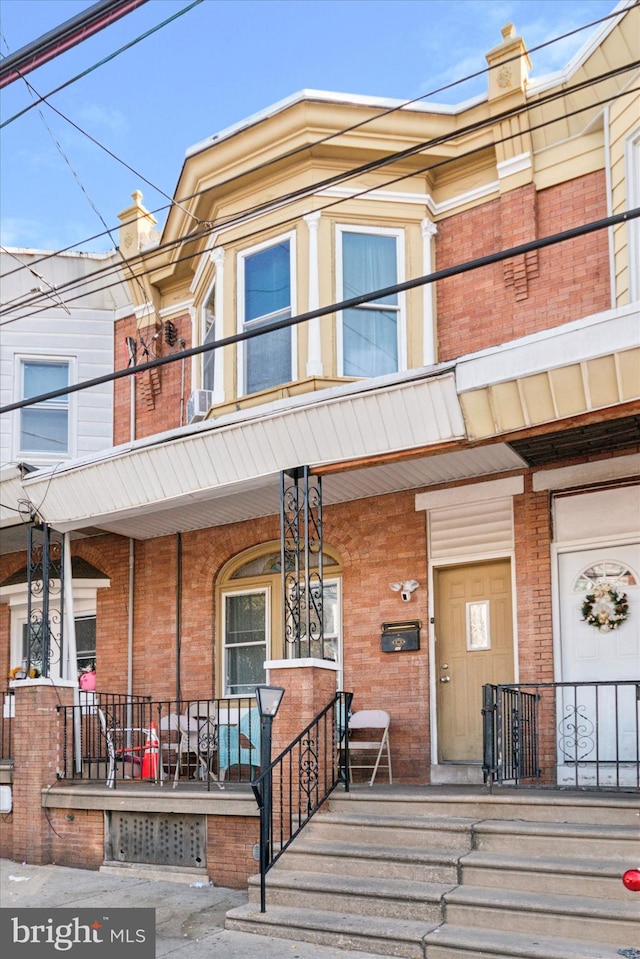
(400, 637)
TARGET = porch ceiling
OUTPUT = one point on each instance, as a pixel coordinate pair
(226, 470)
(401, 431)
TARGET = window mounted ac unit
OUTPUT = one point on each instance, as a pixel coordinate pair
(198, 405)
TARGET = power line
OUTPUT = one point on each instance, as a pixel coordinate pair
(79, 76)
(208, 228)
(63, 37)
(443, 274)
(294, 152)
(39, 99)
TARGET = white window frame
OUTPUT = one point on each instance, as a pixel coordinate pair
(337, 582)
(241, 258)
(400, 309)
(252, 590)
(204, 320)
(42, 457)
(85, 603)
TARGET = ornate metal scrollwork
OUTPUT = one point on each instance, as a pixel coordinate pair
(45, 580)
(309, 769)
(576, 734)
(301, 562)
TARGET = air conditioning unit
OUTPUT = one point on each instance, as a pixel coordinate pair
(198, 405)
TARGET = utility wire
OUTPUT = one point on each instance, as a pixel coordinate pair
(136, 279)
(294, 152)
(158, 251)
(111, 56)
(447, 272)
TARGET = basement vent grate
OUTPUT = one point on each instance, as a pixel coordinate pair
(161, 840)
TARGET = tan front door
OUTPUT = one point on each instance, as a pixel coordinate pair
(474, 646)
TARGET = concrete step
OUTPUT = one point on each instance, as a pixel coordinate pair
(449, 833)
(587, 877)
(378, 935)
(141, 870)
(459, 942)
(503, 803)
(572, 917)
(359, 895)
(581, 840)
(390, 862)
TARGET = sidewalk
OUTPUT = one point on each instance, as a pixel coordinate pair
(189, 920)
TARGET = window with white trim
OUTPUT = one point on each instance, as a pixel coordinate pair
(371, 335)
(265, 294)
(208, 336)
(246, 638)
(44, 427)
(250, 601)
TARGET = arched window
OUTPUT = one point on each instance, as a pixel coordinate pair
(249, 594)
(608, 571)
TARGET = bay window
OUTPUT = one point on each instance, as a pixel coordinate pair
(265, 295)
(208, 336)
(371, 334)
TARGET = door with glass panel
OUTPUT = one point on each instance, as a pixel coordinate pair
(598, 725)
(474, 646)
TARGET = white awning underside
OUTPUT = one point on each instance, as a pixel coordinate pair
(226, 471)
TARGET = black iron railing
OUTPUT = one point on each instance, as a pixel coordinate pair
(297, 783)
(113, 737)
(562, 734)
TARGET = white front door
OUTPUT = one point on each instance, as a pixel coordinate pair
(597, 725)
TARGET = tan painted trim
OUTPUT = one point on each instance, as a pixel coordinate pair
(471, 493)
(567, 477)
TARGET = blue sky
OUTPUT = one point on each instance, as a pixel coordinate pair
(216, 65)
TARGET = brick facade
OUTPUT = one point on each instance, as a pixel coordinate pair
(492, 305)
(160, 394)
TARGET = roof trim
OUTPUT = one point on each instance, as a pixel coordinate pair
(324, 96)
(593, 41)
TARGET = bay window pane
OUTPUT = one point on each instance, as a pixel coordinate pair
(369, 335)
(267, 282)
(369, 263)
(268, 360)
(370, 342)
(267, 298)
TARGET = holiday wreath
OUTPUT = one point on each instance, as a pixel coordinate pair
(605, 608)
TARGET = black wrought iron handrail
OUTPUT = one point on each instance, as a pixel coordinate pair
(575, 734)
(292, 789)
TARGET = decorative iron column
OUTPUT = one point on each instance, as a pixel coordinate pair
(301, 563)
(45, 582)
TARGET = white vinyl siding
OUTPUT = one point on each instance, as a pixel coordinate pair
(85, 341)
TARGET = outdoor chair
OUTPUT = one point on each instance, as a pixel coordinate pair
(374, 752)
